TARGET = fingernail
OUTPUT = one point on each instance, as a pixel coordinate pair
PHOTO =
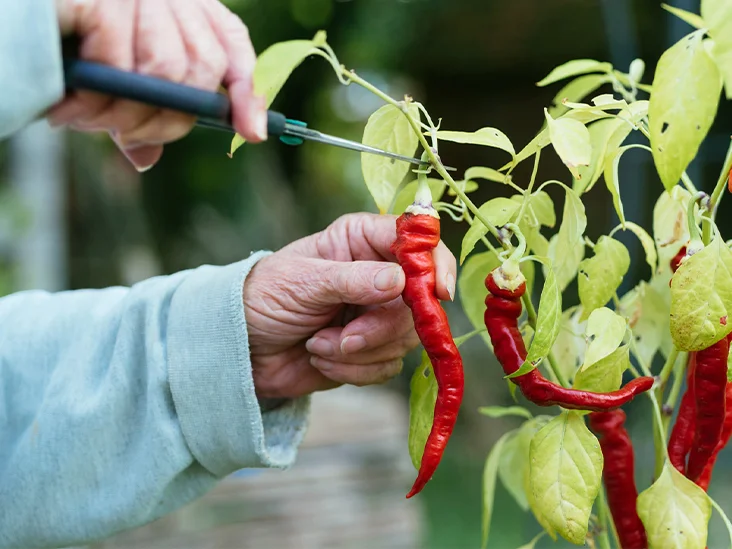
(353, 344)
(143, 169)
(386, 279)
(320, 346)
(319, 363)
(450, 285)
(260, 124)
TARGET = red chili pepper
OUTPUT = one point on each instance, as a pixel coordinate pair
(682, 434)
(619, 476)
(417, 235)
(676, 260)
(710, 382)
(706, 475)
(503, 307)
(729, 181)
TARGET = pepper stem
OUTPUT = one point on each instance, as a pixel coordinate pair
(509, 276)
(423, 197)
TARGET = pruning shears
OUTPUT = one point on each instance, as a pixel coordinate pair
(212, 109)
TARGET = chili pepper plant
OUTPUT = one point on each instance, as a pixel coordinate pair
(572, 466)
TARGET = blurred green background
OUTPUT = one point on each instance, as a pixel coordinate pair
(473, 63)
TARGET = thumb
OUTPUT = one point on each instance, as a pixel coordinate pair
(357, 282)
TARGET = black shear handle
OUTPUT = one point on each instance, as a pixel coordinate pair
(212, 109)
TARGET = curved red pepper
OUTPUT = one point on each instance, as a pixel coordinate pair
(619, 476)
(706, 475)
(417, 236)
(682, 434)
(503, 308)
(710, 383)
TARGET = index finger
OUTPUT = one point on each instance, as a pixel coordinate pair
(249, 113)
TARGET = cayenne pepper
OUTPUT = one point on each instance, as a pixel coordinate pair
(682, 434)
(418, 233)
(503, 308)
(706, 475)
(619, 476)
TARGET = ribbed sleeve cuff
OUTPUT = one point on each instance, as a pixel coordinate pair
(210, 377)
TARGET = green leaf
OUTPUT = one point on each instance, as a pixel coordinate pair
(465, 185)
(272, 69)
(488, 137)
(422, 397)
(717, 17)
(670, 228)
(601, 275)
(490, 473)
(573, 68)
(478, 172)
(406, 196)
(675, 512)
(498, 212)
(606, 135)
(547, 323)
(567, 247)
(569, 348)
(540, 209)
(387, 129)
(649, 247)
(606, 374)
(565, 474)
(471, 288)
(701, 290)
(503, 411)
(571, 140)
(605, 330)
(688, 17)
(576, 90)
(683, 105)
(611, 176)
(647, 315)
(513, 468)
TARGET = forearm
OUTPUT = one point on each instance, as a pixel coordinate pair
(121, 405)
(30, 62)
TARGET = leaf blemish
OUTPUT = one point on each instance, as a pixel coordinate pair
(664, 127)
(426, 372)
(723, 320)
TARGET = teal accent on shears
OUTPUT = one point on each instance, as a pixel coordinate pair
(292, 140)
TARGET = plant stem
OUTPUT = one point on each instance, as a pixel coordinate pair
(711, 213)
(605, 520)
(527, 194)
(668, 368)
(676, 387)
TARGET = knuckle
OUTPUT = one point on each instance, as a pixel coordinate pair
(170, 67)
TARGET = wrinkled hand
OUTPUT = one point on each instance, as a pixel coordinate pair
(196, 42)
(298, 299)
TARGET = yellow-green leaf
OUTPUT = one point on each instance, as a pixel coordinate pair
(576, 90)
(533, 542)
(675, 512)
(606, 374)
(605, 331)
(600, 275)
(547, 323)
(490, 473)
(569, 348)
(272, 69)
(422, 397)
(717, 17)
(567, 248)
(471, 288)
(498, 212)
(479, 172)
(683, 105)
(688, 17)
(565, 473)
(647, 315)
(573, 68)
(503, 411)
(488, 137)
(611, 177)
(387, 129)
(606, 136)
(649, 247)
(670, 228)
(571, 141)
(465, 186)
(406, 195)
(701, 292)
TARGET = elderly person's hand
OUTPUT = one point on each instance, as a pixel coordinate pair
(295, 300)
(195, 42)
